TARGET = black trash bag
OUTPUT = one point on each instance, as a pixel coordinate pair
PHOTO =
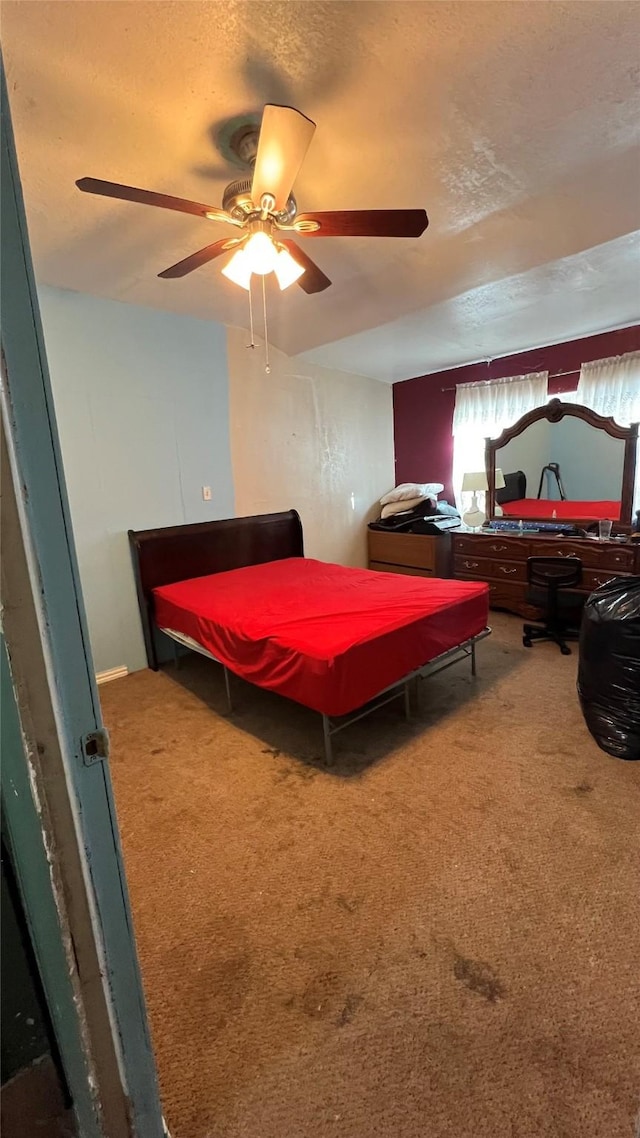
(609, 668)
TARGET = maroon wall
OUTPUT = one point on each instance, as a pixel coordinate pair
(423, 411)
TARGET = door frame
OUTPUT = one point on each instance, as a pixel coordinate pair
(56, 786)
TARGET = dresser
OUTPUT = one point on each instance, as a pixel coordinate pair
(418, 554)
(502, 561)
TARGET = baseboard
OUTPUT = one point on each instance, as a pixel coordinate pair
(112, 674)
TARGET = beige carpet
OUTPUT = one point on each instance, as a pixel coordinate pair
(440, 938)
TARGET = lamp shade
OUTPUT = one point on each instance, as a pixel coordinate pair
(286, 269)
(261, 254)
(475, 480)
(238, 269)
(243, 262)
(499, 479)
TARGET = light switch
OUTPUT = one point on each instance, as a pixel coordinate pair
(206, 493)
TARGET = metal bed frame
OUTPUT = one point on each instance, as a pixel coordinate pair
(401, 688)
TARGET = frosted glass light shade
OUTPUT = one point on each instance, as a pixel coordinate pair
(261, 254)
(238, 270)
(287, 269)
(243, 262)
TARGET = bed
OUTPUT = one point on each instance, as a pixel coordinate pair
(565, 510)
(340, 641)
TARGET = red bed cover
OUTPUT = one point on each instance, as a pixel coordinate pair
(544, 507)
(327, 636)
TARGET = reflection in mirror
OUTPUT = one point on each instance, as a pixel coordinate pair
(564, 462)
(589, 461)
(569, 460)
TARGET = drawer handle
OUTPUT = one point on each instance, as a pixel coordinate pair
(471, 564)
(601, 580)
(503, 569)
(499, 548)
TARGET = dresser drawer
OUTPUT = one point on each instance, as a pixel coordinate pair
(465, 543)
(488, 569)
(622, 560)
(409, 570)
(469, 565)
(594, 554)
(592, 579)
(481, 545)
(509, 548)
(509, 571)
(411, 549)
(511, 596)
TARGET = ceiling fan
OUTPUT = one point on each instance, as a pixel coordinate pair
(265, 211)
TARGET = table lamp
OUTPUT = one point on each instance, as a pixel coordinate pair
(476, 481)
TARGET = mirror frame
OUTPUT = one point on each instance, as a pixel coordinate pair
(553, 412)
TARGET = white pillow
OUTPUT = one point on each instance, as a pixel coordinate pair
(392, 508)
(413, 490)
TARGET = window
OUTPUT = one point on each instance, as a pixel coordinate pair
(483, 410)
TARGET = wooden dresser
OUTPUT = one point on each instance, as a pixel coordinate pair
(502, 561)
(418, 554)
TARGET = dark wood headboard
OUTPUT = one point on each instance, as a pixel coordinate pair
(177, 553)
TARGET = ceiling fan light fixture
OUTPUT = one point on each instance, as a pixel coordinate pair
(238, 269)
(263, 208)
(261, 253)
(287, 269)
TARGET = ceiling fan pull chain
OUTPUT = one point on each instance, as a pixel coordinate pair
(267, 366)
(252, 344)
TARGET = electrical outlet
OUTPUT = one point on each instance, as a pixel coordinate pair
(206, 493)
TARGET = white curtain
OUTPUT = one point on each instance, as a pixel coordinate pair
(612, 387)
(483, 410)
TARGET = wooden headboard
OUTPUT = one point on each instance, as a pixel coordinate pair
(177, 553)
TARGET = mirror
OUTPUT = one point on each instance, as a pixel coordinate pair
(569, 458)
(563, 461)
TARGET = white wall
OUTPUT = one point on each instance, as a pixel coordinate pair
(153, 406)
(307, 437)
(142, 407)
(591, 461)
(528, 452)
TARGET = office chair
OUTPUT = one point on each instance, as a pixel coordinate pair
(546, 577)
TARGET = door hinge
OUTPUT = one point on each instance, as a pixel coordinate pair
(95, 746)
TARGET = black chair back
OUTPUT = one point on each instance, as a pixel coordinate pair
(515, 487)
(554, 572)
(548, 575)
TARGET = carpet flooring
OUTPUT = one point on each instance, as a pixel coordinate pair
(436, 939)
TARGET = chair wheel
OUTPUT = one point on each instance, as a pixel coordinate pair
(526, 641)
(566, 651)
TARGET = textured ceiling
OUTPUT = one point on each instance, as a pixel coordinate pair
(514, 125)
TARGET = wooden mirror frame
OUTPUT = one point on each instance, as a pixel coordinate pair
(553, 412)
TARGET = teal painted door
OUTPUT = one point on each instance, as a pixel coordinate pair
(30, 424)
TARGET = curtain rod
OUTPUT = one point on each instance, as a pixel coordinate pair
(553, 375)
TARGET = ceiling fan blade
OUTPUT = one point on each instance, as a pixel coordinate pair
(285, 135)
(364, 223)
(148, 197)
(313, 279)
(202, 257)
